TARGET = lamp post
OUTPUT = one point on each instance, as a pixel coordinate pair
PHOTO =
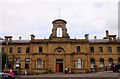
(6, 54)
(7, 40)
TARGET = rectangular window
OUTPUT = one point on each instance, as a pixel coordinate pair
(109, 49)
(19, 49)
(3, 50)
(118, 49)
(11, 50)
(100, 49)
(92, 49)
(40, 49)
(78, 49)
(27, 50)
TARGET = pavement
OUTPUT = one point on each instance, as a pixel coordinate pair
(98, 75)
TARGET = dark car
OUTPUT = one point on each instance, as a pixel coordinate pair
(115, 67)
(6, 76)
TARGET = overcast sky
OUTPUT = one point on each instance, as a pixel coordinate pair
(26, 17)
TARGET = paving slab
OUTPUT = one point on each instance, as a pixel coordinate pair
(98, 75)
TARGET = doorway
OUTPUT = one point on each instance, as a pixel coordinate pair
(59, 65)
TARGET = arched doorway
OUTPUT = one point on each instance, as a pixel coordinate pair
(59, 59)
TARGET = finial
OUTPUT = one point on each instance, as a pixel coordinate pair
(59, 13)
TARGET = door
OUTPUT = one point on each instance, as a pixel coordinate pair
(59, 65)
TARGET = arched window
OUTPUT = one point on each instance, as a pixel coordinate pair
(110, 61)
(118, 49)
(19, 49)
(59, 32)
(101, 62)
(10, 62)
(27, 61)
(92, 61)
(39, 63)
(79, 63)
(18, 63)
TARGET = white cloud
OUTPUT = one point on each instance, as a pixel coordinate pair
(23, 17)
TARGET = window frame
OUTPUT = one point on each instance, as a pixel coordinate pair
(109, 49)
(118, 49)
(27, 62)
(78, 49)
(102, 62)
(92, 63)
(10, 63)
(110, 61)
(92, 50)
(39, 64)
(27, 49)
(100, 49)
(11, 50)
(40, 49)
(19, 50)
(18, 62)
(79, 63)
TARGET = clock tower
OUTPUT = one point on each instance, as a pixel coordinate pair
(59, 23)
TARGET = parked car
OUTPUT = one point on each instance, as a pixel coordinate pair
(115, 67)
(6, 76)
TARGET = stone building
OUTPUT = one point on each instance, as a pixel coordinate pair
(60, 51)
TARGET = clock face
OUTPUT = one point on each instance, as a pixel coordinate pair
(59, 49)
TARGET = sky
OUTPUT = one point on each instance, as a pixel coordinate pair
(21, 18)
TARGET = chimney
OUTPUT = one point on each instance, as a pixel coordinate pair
(114, 38)
(86, 36)
(110, 39)
(20, 38)
(8, 38)
(107, 33)
(95, 37)
(32, 37)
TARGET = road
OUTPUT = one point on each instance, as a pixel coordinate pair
(98, 75)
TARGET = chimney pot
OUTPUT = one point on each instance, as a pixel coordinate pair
(95, 37)
(87, 36)
(20, 38)
(107, 33)
(32, 37)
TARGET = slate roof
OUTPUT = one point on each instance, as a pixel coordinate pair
(98, 40)
(16, 41)
(90, 40)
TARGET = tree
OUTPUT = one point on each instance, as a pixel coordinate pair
(3, 60)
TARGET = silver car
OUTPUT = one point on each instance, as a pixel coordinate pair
(6, 76)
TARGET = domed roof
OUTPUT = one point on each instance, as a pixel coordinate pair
(59, 20)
